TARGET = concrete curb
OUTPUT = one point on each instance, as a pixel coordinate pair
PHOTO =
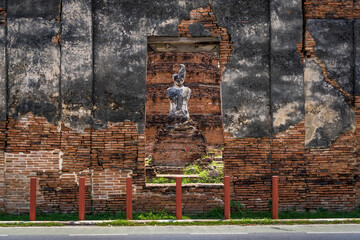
(96, 222)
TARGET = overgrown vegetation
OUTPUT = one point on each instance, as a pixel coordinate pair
(148, 161)
(209, 169)
(208, 173)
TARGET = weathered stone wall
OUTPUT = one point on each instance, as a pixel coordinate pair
(313, 145)
(73, 96)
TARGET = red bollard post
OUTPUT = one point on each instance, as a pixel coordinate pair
(275, 197)
(227, 197)
(178, 199)
(81, 199)
(129, 198)
(33, 199)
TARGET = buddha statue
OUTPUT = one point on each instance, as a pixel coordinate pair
(179, 96)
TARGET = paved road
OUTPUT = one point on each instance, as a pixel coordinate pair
(278, 232)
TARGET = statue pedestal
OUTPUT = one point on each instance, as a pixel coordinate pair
(178, 145)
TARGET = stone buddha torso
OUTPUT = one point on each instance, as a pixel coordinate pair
(179, 96)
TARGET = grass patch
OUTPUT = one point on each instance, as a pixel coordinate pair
(31, 224)
(151, 215)
(319, 213)
(162, 180)
(163, 215)
(40, 217)
(244, 222)
(238, 212)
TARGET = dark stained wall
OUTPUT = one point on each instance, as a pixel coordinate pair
(286, 73)
(77, 63)
(3, 87)
(246, 83)
(357, 56)
(84, 62)
(327, 112)
(34, 61)
(120, 43)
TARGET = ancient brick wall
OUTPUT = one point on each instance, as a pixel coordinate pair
(73, 98)
(207, 18)
(332, 9)
(2, 163)
(58, 156)
(247, 162)
(309, 178)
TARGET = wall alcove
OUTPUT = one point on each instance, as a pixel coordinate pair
(200, 55)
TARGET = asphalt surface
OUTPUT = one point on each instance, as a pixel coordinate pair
(278, 232)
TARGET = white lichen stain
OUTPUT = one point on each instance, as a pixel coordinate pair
(238, 121)
(281, 25)
(168, 22)
(248, 62)
(319, 110)
(76, 178)
(340, 50)
(182, 3)
(246, 114)
(79, 14)
(281, 116)
(298, 79)
(230, 75)
(255, 32)
(60, 160)
(317, 116)
(24, 121)
(78, 112)
(58, 127)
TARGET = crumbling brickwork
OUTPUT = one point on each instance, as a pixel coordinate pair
(2, 16)
(307, 51)
(332, 9)
(104, 157)
(207, 18)
(58, 156)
